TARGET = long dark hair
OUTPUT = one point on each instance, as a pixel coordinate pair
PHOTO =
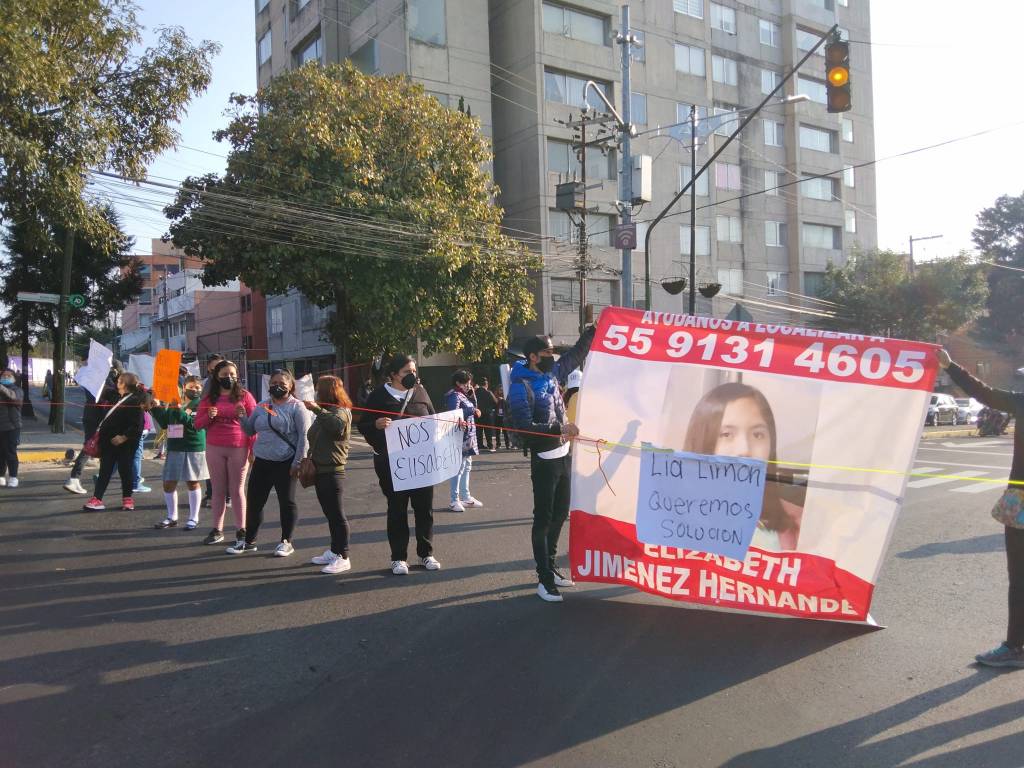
(237, 391)
(396, 363)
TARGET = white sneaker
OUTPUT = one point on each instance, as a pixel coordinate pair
(471, 502)
(562, 581)
(338, 565)
(326, 558)
(399, 567)
(74, 485)
(430, 563)
(12, 482)
(283, 549)
(3, 482)
(455, 506)
(548, 596)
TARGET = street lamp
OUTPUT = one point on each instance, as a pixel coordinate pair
(917, 240)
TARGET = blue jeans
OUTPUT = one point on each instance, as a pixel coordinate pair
(459, 484)
(138, 460)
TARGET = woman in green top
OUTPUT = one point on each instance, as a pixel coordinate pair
(186, 453)
(328, 448)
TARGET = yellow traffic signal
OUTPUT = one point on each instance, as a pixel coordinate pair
(837, 76)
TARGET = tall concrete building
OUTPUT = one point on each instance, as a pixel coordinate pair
(762, 231)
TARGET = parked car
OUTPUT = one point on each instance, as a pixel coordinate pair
(967, 410)
(942, 409)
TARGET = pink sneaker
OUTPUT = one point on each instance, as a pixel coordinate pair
(128, 503)
(93, 505)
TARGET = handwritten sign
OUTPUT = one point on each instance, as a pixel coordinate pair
(166, 370)
(93, 374)
(142, 366)
(697, 502)
(424, 451)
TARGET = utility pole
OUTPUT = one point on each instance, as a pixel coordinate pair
(693, 210)
(625, 39)
(60, 350)
(583, 225)
(915, 240)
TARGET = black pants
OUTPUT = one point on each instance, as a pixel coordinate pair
(328, 493)
(121, 458)
(80, 460)
(266, 474)
(550, 479)
(9, 440)
(422, 500)
(500, 433)
(485, 431)
(1015, 566)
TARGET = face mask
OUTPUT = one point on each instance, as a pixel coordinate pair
(192, 394)
(409, 380)
(546, 364)
(227, 382)
(278, 391)
(6, 381)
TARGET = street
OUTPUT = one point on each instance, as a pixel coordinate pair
(127, 646)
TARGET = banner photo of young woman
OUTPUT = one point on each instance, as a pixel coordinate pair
(835, 417)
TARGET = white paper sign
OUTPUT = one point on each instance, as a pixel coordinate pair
(304, 389)
(697, 502)
(424, 451)
(94, 373)
(192, 368)
(175, 431)
(142, 366)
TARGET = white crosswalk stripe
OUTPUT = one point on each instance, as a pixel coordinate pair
(979, 487)
(927, 482)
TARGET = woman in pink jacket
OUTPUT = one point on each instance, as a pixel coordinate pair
(227, 446)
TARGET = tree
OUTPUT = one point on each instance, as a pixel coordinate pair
(74, 97)
(999, 237)
(367, 196)
(875, 294)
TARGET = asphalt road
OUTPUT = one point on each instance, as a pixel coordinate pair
(125, 646)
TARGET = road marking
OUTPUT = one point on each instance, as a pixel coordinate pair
(930, 481)
(973, 445)
(972, 466)
(955, 450)
(978, 488)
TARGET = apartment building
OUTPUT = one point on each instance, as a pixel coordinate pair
(762, 231)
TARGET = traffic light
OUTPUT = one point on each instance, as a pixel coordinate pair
(837, 75)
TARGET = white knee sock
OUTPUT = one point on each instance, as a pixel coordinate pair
(195, 498)
(172, 504)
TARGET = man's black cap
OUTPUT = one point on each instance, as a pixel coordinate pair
(537, 344)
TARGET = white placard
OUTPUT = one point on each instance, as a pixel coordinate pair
(142, 366)
(192, 368)
(304, 389)
(93, 374)
(424, 450)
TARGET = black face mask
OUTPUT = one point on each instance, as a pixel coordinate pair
(546, 364)
(227, 382)
(409, 380)
(278, 391)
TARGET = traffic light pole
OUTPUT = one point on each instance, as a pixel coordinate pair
(714, 156)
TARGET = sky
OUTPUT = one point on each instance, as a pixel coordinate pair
(936, 77)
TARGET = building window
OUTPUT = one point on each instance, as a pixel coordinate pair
(805, 40)
(723, 18)
(568, 89)
(638, 109)
(828, 5)
(814, 283)
(815, 89)
(277, 320)
(851, 220)
(690, 60)
(562, 159)
(849, 179)
(693, 8)
(723, 70)
(729, 229)
(638, 52)
(731, 280)
(819, 188)
(843, 3)
(245, 302)
(264, 48)
(247, 342)
(565, 294)
(568, 22)
(427, 21)
(146, 297)
(261, 4)
(365, 57)
(818, 139)
(702, 181)
(727, 176)
(769, 81)
(773, 133)
(776, 283)
(821, 236)
(772, 181)
(639, 294)
(641, 237)
(310, 52)
(727, 124)
(145, 320)
(775, 233)
(682, 130)
(847, 129)
(771, 33)
(702, 240)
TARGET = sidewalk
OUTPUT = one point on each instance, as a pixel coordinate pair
(966, 430)
(40, 444)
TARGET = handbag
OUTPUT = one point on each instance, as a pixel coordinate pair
(92, 445)
(1009, 510)
(307, 472)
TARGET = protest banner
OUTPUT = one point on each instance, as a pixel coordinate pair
(835, 417)
(142, 366)
(424, 450)
(93, 375)
(166, 370)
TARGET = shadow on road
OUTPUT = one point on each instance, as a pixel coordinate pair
(974, 546)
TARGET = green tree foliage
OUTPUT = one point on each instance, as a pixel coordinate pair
(104, 272)
(367, 196)
(75, 95)
(999, 237)
(876, 295)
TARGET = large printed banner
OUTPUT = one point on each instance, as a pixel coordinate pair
(823, 411)
(425, 450)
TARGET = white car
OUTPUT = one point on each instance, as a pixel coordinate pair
(967, 410)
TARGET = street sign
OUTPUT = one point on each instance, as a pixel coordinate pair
(39, 298)
(76, 300)
(624, 236)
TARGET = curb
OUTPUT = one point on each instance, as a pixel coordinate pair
(38, 457)
(973, 432)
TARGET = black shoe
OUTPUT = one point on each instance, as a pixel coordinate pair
(207, 503)
(214, 537)
(549, 592)
(166, 523)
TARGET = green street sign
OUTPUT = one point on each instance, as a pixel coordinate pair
(76, 300)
